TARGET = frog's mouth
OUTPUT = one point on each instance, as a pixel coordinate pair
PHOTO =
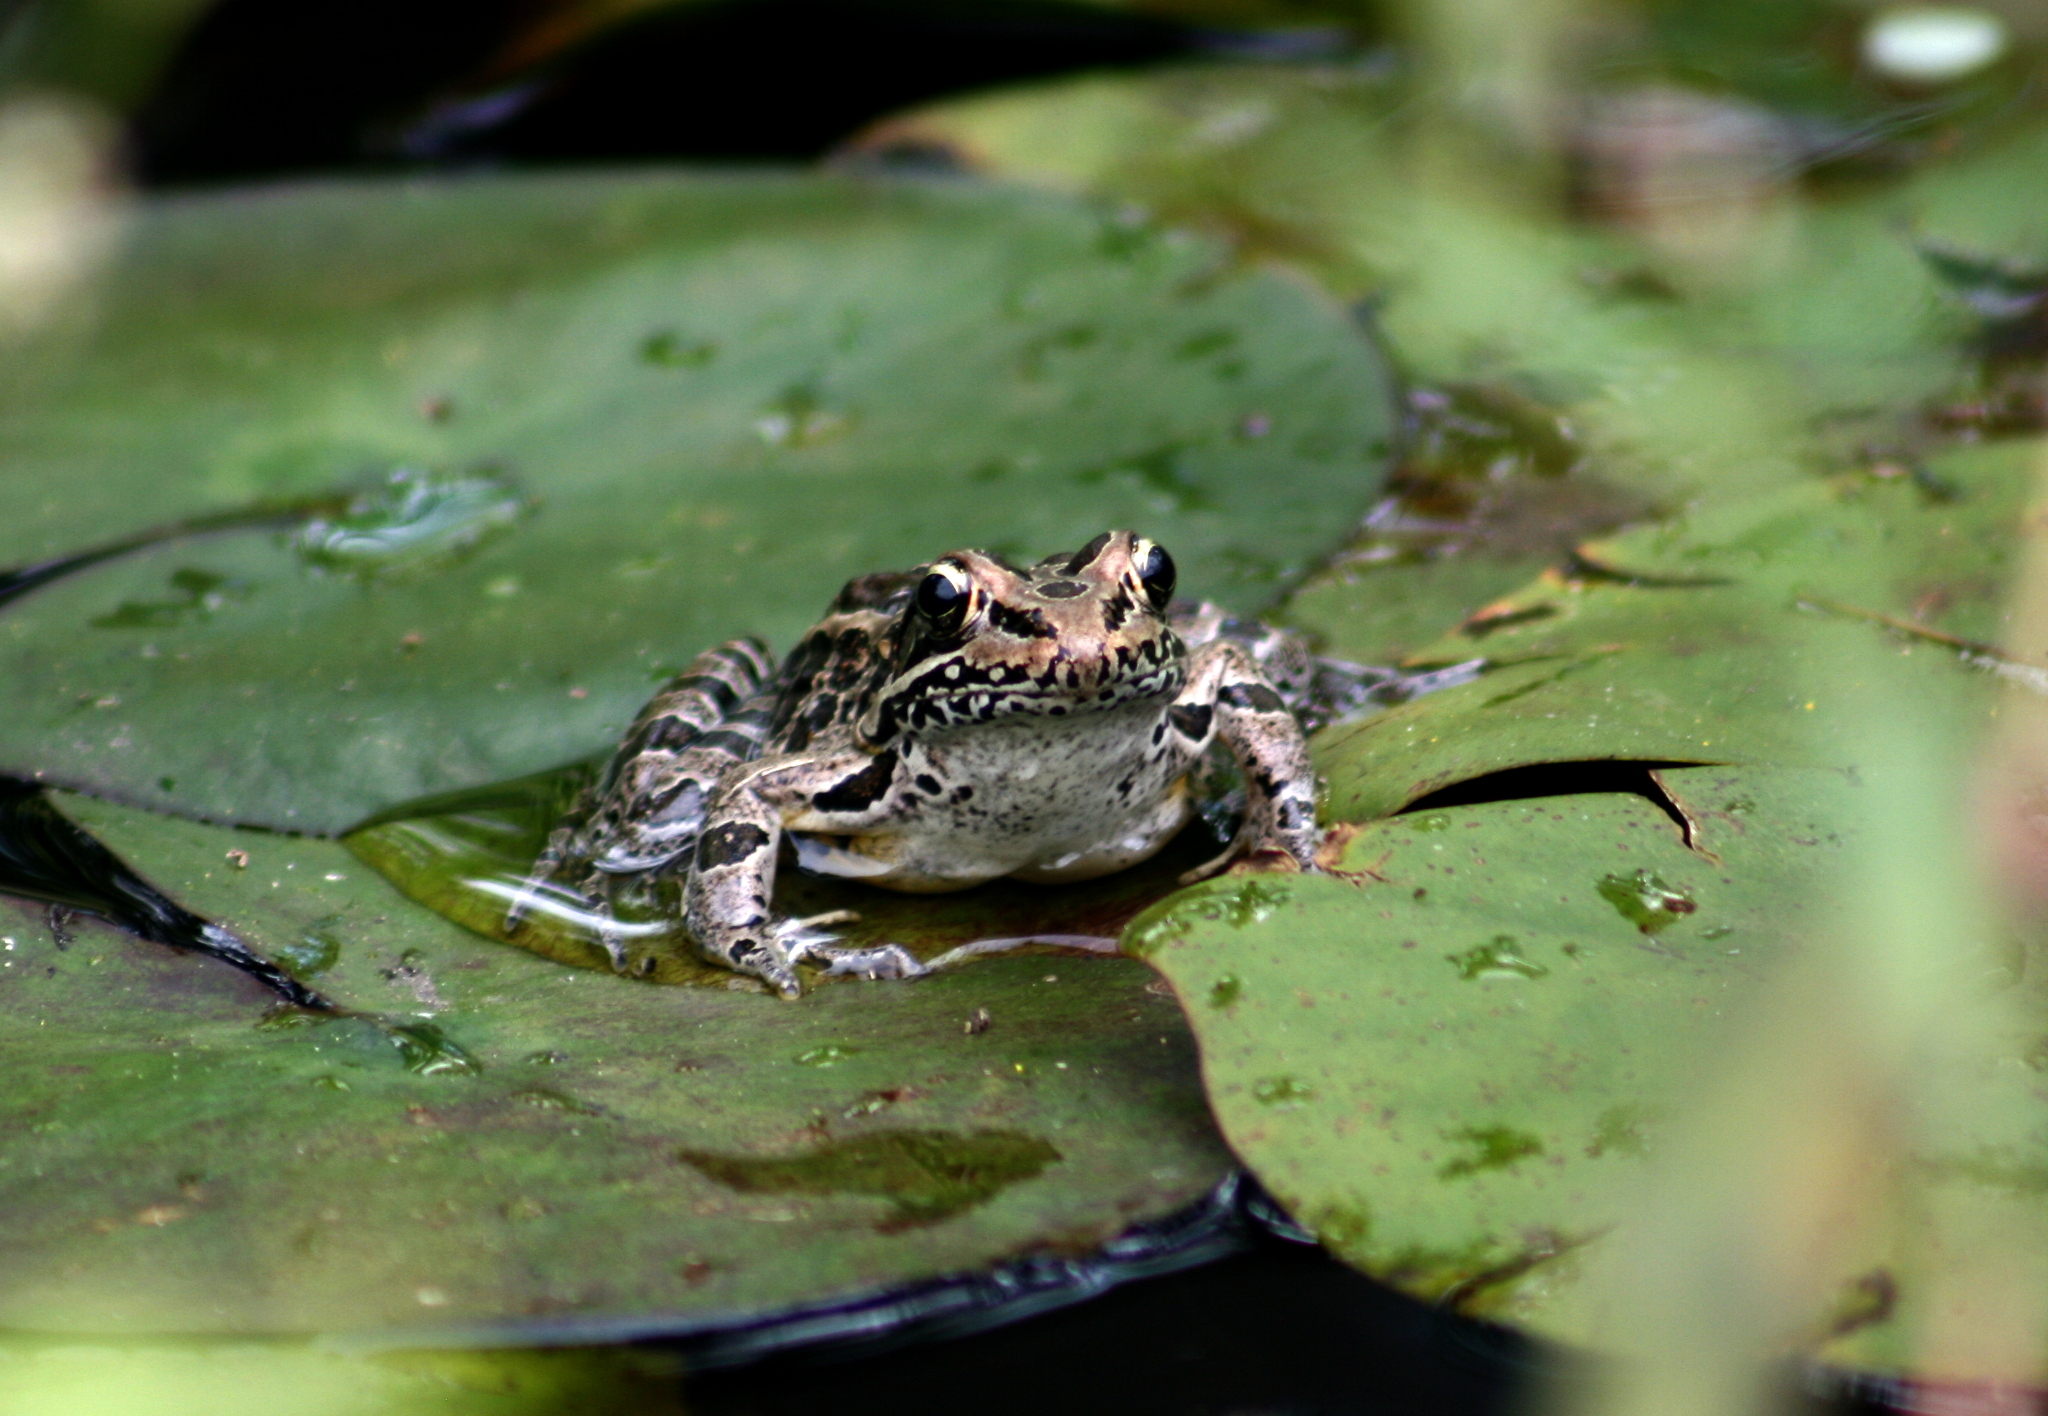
(844, 856)
(881, 860)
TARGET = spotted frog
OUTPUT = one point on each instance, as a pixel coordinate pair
(940, 727)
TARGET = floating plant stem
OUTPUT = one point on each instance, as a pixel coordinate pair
(20, 580)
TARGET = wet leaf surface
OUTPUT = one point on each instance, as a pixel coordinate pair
(467, 856)
(606, 1159)
(585, 427)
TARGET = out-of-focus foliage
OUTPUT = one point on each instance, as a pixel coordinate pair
(59, 1377)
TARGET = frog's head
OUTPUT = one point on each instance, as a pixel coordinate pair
(981, 639)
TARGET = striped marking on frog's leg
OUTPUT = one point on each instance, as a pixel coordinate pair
(729, 900)
(645, 809)
(1228, 697)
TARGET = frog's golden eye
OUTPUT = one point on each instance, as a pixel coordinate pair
(1155, 571)
(942, 597)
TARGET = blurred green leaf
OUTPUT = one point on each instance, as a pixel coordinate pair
(59, 1377)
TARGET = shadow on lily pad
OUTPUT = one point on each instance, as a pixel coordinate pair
(926, 1175)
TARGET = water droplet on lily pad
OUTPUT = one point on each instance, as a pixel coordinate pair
(415, 521)
(799, 418)
(829, 1055)
(315, 951)
(1498, 958)
(431, 1052)
(548, 1099)
(194, 594)
(1644, 900)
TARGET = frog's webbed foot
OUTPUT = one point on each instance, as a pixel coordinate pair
(804, 941)
(1245, 858)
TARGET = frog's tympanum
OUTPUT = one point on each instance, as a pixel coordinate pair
(940, 727)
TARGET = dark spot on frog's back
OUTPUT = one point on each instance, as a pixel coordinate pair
(861, 790)
(722, 845)
(1062, 589)
(1255, 696)
(926, 1176)
(1087, 554)
(1024, 624)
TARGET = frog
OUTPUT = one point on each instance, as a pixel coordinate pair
(967, 720)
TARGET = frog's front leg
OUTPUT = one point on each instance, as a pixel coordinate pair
(728, 904)
(1228, 697)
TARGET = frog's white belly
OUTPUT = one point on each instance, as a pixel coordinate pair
(1046, 799)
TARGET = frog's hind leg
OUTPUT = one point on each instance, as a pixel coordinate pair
(645, 809)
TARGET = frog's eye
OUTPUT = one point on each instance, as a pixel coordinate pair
(942, 597)
(1155, 571)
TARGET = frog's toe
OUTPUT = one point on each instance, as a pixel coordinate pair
(767, 961)
(875, 962)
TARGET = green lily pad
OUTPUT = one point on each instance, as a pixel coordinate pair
(615, 1154)
(628, 417)
(1455, 1072)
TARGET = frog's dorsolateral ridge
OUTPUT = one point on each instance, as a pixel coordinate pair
(940, 727)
